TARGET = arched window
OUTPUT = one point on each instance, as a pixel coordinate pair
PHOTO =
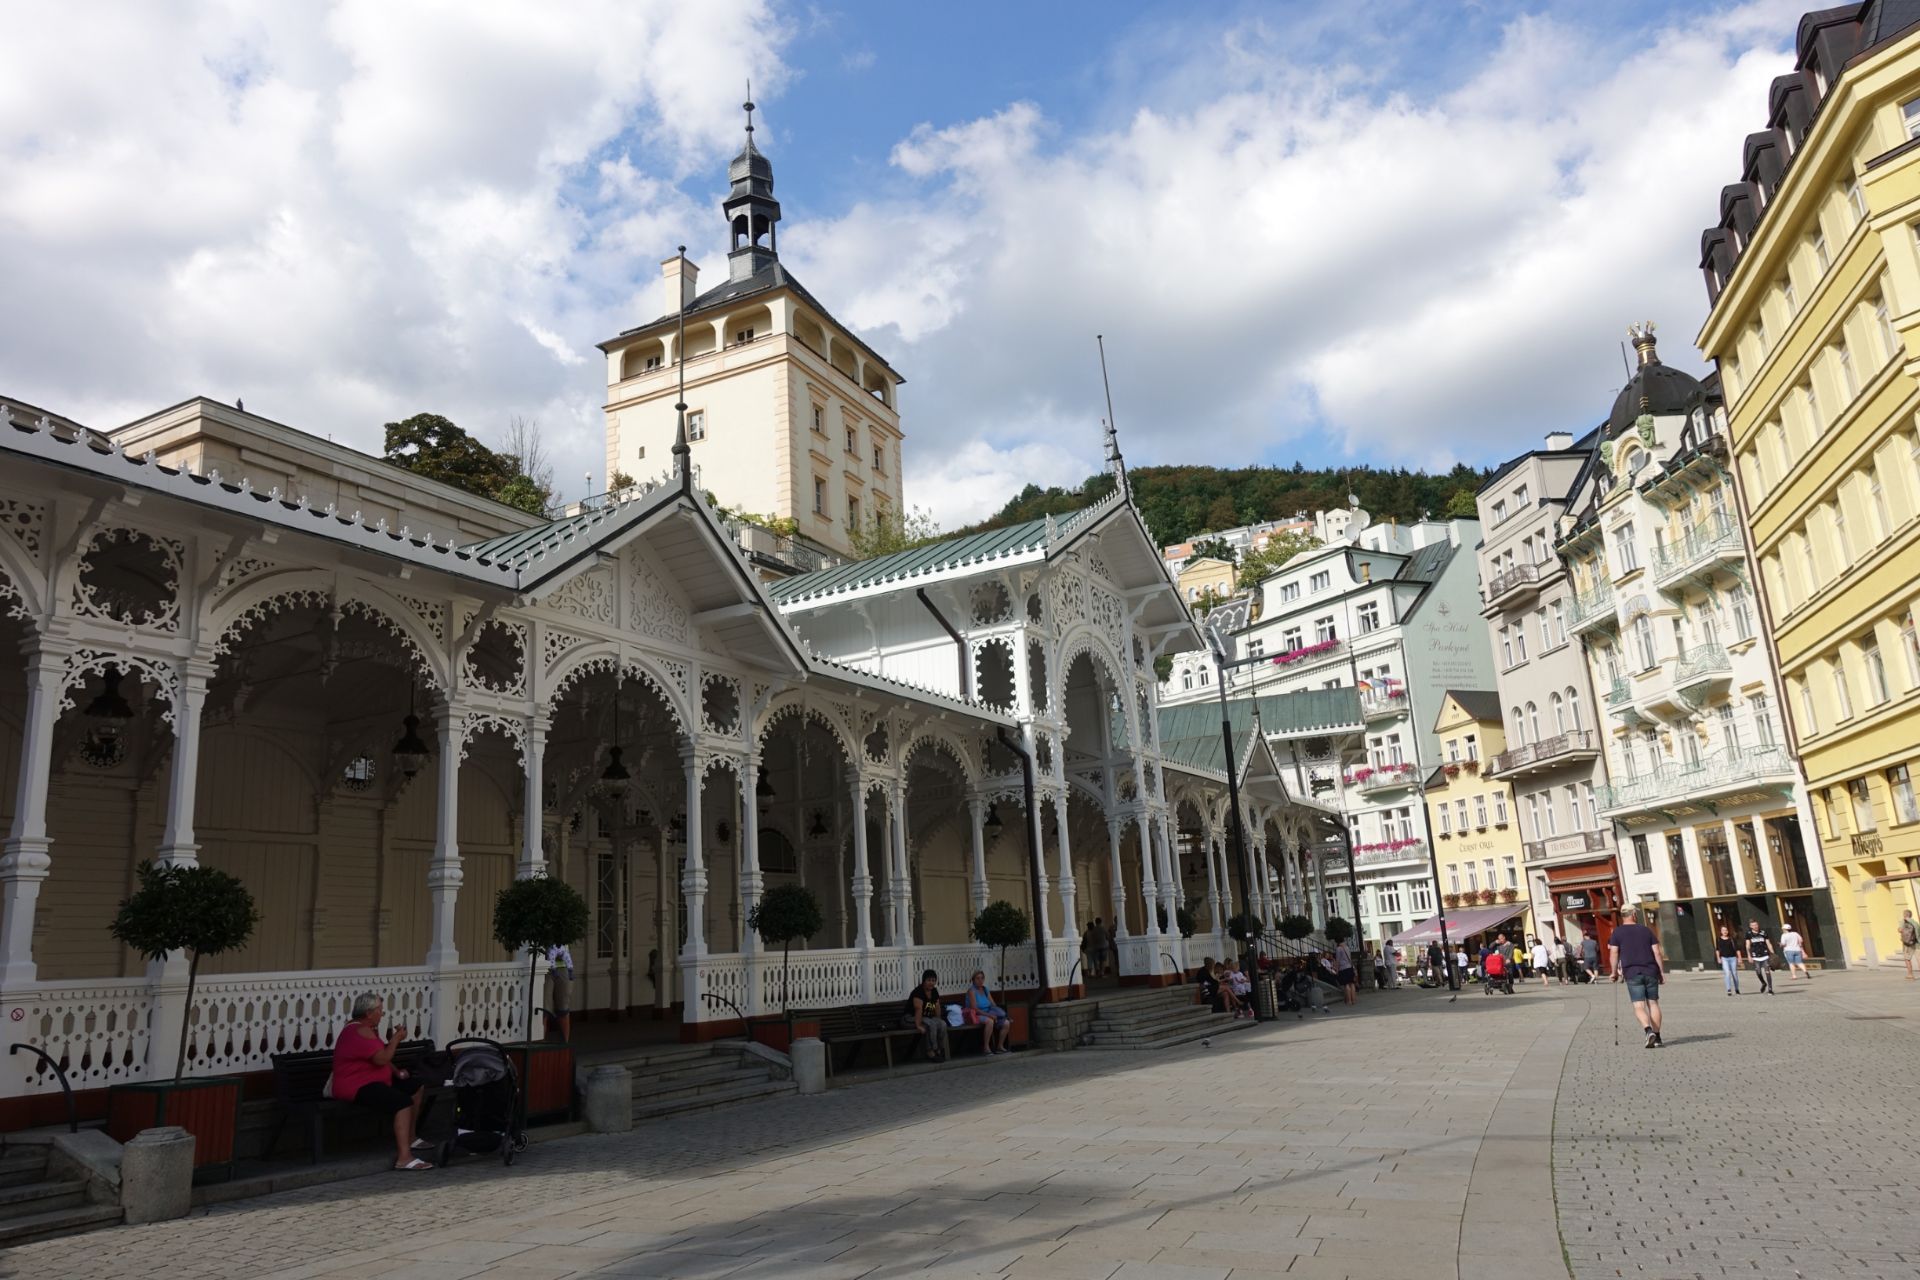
(1573, 706)
(1519, 727)
(1533, 721)
(1559, 714)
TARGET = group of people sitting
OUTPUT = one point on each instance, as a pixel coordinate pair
(933, 1017)
(1225, 988)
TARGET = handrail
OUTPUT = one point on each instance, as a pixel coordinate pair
(714, 997)
(73, 1119)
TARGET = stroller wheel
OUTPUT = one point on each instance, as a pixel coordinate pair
(519, 1142)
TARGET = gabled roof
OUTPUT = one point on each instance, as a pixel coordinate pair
(1020, 541)
(1482, 704)
(1191, 731)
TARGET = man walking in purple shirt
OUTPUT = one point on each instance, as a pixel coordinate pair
(1634, 954)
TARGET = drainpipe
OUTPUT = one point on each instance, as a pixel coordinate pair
(960, 651)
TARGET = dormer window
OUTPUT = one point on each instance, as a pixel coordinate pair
(653, 362)
(741, 337)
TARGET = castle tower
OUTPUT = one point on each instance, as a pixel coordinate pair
(789, 414)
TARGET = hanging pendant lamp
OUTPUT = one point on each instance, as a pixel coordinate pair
(410, 753)
(615, 779)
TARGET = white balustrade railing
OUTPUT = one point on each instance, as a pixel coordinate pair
(492, 1000)
(95, 1029)
(955, 963)
(890, 981)
(814, 979)
(238, 1022)
(723, 977)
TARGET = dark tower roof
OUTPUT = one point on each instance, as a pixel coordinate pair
(750, 208)
(1654, 388)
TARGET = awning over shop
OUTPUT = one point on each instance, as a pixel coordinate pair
(1460, 924)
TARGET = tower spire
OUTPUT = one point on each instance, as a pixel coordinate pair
(1115, 463)
(750, 207)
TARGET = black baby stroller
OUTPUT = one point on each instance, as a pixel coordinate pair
(486, 1101)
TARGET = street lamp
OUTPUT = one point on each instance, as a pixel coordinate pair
(1233, 787)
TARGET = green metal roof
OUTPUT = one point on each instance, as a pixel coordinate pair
(517, 549)
(1426, 564)
(935, 557)
(1190, 733)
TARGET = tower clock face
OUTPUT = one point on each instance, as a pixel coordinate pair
(1319, 748)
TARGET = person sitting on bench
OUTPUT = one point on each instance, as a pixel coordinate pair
(364, 1074)
(979, 1007)
(925, 1015)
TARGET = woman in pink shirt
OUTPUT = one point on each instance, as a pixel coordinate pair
(364, 1074)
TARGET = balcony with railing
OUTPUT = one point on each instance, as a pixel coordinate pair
(1591, 610)
(1711, 544)
(777, 551)
(1376, 855)
(1620, 694)
(1383, 704)
(1701, 665)
(1561, 748)
(1712, 776)
(1372, 779)
(1515, 584)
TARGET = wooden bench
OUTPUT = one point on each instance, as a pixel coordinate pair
(299, 1081)
(857, 1025)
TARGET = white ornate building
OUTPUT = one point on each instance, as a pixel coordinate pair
(377, 701)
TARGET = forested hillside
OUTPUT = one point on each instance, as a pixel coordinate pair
(1180, 502)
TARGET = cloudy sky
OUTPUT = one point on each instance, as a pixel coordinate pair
(1398, 233)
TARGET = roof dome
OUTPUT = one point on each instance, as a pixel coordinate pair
(1654, 388)
(750, 163)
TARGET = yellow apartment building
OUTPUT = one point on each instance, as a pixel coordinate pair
(1813, 276)
(1476, 838)
(1205, 578)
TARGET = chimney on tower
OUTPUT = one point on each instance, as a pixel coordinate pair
(679, 278)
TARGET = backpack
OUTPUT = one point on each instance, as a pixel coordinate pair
(1908, 934)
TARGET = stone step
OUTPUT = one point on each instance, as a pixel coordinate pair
(667, 1075)
(762, 1088)
(39, 1197)
(22, 1164)
(56, 1222)
(664, 1056)
(1146, 1017)
(646, 1093)
(1225, 1026)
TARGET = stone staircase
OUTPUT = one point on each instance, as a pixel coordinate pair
(671, 1080)
(1156, 1018)
(36, 1204)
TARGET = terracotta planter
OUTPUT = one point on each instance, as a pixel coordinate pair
(208, 1108)
(772, 1032)
(548, 1081)
(1017, 1021)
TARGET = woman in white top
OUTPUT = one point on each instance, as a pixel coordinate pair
(1793, 949)
(1542, 961)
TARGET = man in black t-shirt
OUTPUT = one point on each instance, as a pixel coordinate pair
(1760, 952)
(1634, 954)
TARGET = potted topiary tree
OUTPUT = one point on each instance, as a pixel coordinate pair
(1294, 928)
(1000, 924)
(536, 914)
(1337, 930)
(1241, 927)
(200, 911)
(786, 912)
(1184, 921)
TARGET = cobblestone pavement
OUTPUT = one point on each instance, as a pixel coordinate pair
(1409, 1139)
(1775, 1136)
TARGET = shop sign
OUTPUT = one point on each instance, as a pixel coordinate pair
(1575, 902)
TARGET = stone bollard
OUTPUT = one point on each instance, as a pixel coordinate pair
(809, 1056)
(608, 1100)
(156, 1175)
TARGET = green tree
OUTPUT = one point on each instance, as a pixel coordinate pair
(1295, 928)
(1337, 930)
(1215, 549)
(1462, 506)
(887, 533)
(784, 913)
(430, 445)
(1000, 924)
(535, 914)
(1241, 927)
(202, 911)
(1280, 548)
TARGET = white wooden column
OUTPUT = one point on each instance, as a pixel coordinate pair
(1069, 913)
(693, 892)
(533, 851)
(1216, 921)
(1149, 890)
(861, 887)
(27, 856)
(977, 875)
(1173, 885)
(899, 887)
(444, 876)
(168, 977)
(1118, 890)
(750, 880)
